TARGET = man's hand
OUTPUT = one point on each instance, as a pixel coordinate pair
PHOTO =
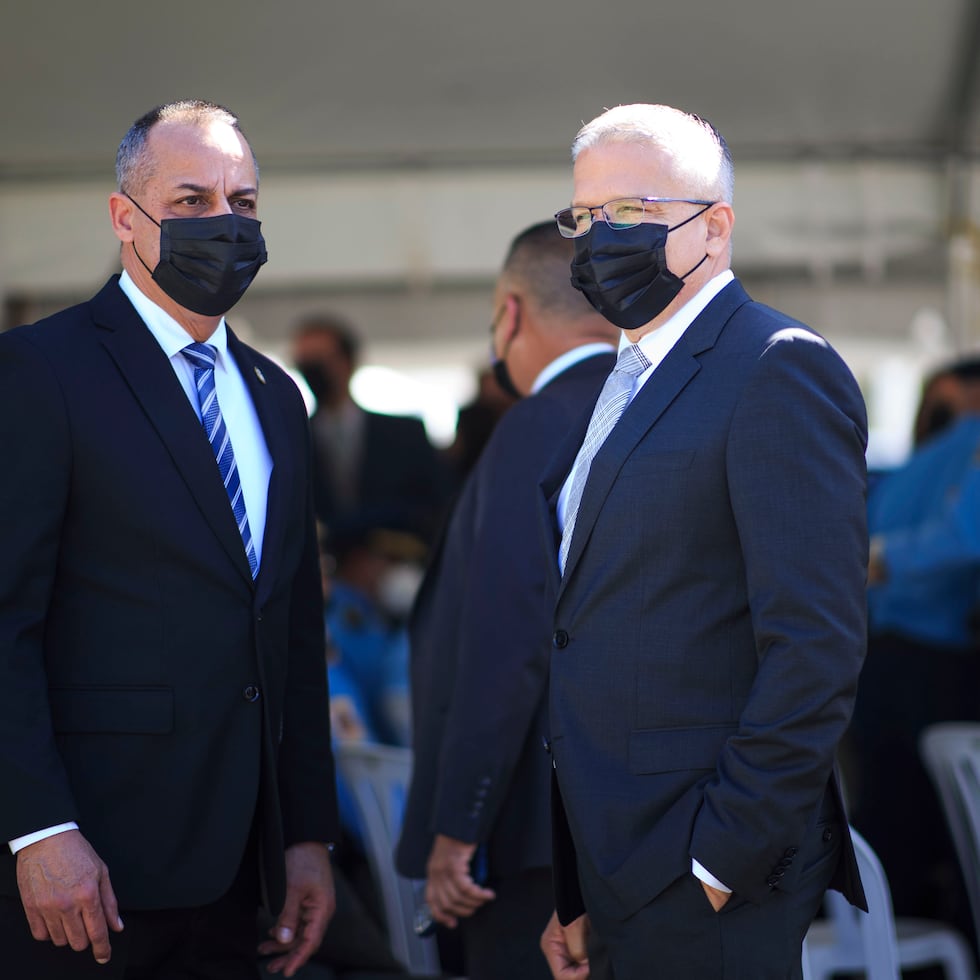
(450, 889)
(877, 568)
(564, 948)
(67, 896)
(716, 896)
(310, 902)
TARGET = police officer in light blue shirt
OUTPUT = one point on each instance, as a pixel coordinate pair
(922, 663)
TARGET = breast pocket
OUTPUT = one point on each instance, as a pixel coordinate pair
(650, 465)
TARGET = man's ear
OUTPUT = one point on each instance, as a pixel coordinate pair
(510, 322)
(721, 220)
(121, 210)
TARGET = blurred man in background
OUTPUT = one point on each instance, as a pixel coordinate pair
(365, 463)
(477, 821)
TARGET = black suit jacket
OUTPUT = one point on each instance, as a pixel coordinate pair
(710, 625)
(479, 643)
(149, 689)
(401, 480)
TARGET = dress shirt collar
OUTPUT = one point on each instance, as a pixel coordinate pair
(169, 334)
(657, 344)
(564, 361)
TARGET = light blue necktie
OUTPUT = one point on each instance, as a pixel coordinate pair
(202, 358)
(612, 402)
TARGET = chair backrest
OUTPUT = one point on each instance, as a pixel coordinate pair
(377, 776)
(877, 928)
(951, 753)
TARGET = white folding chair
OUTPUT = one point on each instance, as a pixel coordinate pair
(850, 941)
(378, 776)
(951, 754)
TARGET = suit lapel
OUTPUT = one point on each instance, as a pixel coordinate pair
(273, 425)
(155, 386)
(669, 379)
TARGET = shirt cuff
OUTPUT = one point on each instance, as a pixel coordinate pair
(700, 871)
(19, 843)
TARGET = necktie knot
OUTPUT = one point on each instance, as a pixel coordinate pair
(202, 356)
(632, 361)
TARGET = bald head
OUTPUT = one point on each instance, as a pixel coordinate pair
(134, 158)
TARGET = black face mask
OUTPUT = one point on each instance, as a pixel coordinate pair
(320, 380)
(206, 264)
(623, 272)
(502, 376)
(498, 365)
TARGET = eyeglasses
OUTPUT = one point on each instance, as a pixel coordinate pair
(627, 212)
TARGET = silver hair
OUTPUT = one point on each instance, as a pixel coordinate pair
(700, 152)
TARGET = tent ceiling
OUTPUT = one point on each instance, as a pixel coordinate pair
(393, 83)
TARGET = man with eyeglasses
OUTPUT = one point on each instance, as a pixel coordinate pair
(708, 543)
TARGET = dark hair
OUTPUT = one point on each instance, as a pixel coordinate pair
(538, 261)
(133, 164)
(965, 369)
(334, 326)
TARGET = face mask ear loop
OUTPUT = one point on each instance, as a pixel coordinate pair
(157, 223)
(681, 225)
(672, 228)
(698, 266)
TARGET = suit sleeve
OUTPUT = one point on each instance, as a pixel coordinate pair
(501, 647)
(797, 476)
(36, 472)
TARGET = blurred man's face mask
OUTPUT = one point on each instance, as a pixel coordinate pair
(498, 365)
(322, 383)
(623, 271)
(206, 264)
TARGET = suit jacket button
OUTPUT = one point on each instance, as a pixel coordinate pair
(560, 639)
(251, 693)
(828, 835)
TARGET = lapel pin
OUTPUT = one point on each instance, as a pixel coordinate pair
(259, 374)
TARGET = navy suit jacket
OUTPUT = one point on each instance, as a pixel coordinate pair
(149, 689)
(709, 628)
(479, 642)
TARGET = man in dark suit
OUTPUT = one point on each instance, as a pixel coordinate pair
(707, 524)
(163, 716)
(366, 464)
(477, 819)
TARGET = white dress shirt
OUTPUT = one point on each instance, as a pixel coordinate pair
(241, 420)
(564, 361)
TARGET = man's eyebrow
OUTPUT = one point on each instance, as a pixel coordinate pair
(201, 189)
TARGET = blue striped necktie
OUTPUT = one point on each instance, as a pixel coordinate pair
(612, 402)
(202, 358)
